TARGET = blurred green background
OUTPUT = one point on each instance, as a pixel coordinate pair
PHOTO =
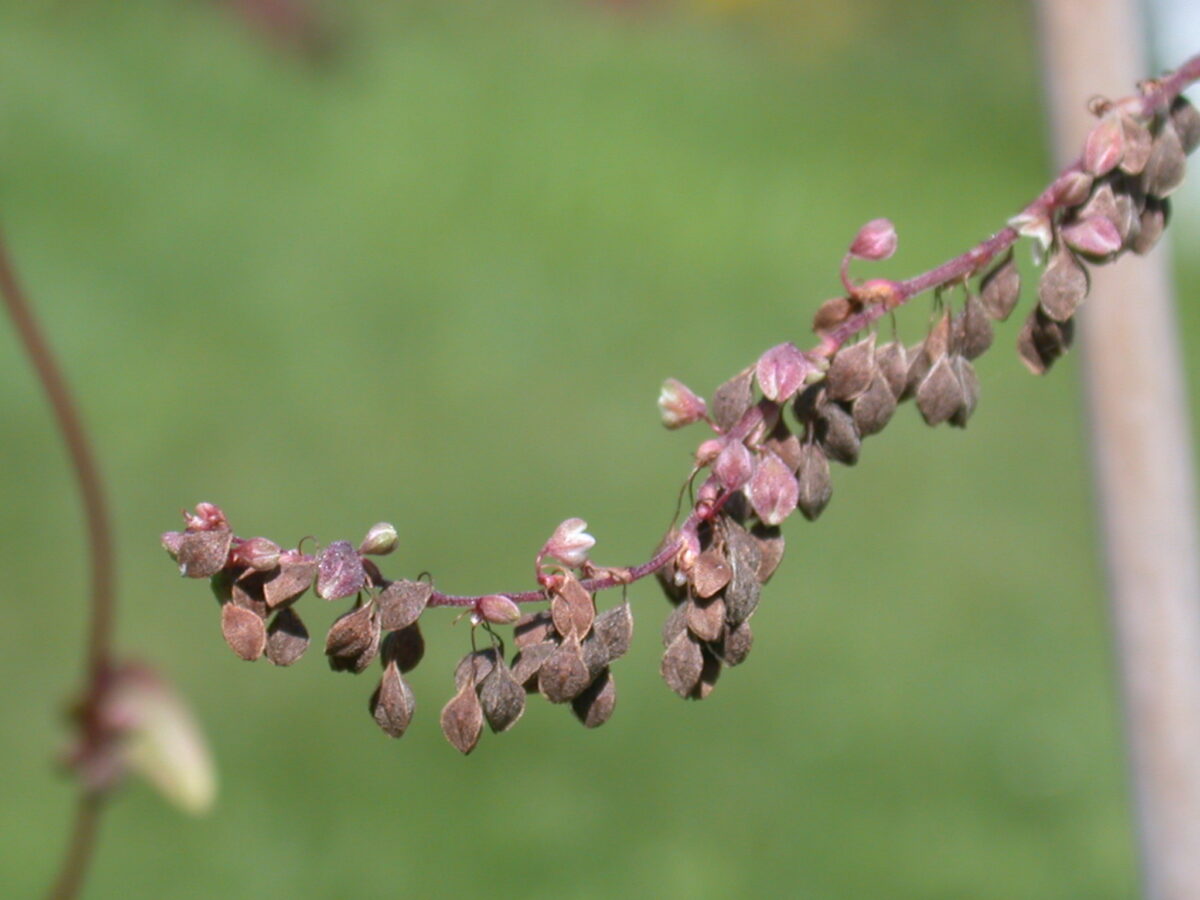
(437, 278)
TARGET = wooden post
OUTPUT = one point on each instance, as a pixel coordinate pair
(1143, 467)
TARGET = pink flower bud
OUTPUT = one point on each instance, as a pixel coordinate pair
(260, 554)
(678, 405)
(208, 517)
(570, 543)
(876, 240)
(497, 609)
(781, 371)
(381, 540)
(773, 490)
(734, 466)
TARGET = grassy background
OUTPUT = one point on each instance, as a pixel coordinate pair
(438, 281)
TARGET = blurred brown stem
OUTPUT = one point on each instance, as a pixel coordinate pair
(1143, 471)
(99, 536)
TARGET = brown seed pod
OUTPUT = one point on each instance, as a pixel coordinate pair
(851, 370)
(289, 581)
(402, 602)
(392, 704)
(1137, 145)
(287, 638)
(710, 671)
(770, 547)
(1165, 168)
(873, 408)
(816, 488)
(595, 705)
(1063, 285)
(892, 361)
(533, 628)
(838, 435)
(475, 667)
(744, 589)
(244, 631)
(202, 554)
(1187, 123)
(1151, 224)
(972, 329)
(970, 391)
(940, 394)
(710, 573)
(732, 399)
(564, 675)
(353, 640)
(405, 647)
(528, 663)
(1001, 288)
(1043, 340)
(734, 645)
(502, 698)
(462, 719)
(573, 608)
(706, 620)
(833, 312)
(682, 664)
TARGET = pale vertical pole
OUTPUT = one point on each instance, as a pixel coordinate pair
(1142, 463)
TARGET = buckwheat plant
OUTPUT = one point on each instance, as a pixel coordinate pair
(770, 434)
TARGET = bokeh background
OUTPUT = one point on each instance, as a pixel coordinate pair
(429, 263)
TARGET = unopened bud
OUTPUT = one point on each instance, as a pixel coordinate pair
(381, 540)
(497, 609)
(875, 241)
(678, 405)
(207, 517)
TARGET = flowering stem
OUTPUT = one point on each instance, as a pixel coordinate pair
(99, 531)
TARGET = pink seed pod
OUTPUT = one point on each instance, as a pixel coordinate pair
(781, 371)
(497, 609)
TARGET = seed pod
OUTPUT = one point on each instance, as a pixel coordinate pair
(940, 394)
(816, 489)
(743, 591)
(808, 402)
(832, 313)
(1152, 224)
(1043, 340)
(770, 548)
(734, 466)
(850, 370)
(710, 671)
(528, 663)
(502, 698)
(1096, 238)
(595, 705)
(1187, 123)
(772, 490)
(247, 592)
(462, 719)
(710, 573)
(475, 666)
(613, 631)
(972, 329)
(533, 628)
(1001, 288)
(784, 444)
(293, 577)
(1165, 169)
(353, 640)
(1105, 146)
(244, 632)
(732, 399)
(1063, 286)
(563, 676)
(675, 624)
(706, 621)
(202, 554)
(402, 602)
(919, 365)
(1072, 188)
(573, 608)
(892, 362)
(392, 704)
(287, 638)
(781, 372)
(339, 571)
(838, 435)
(970, 391)
(734, 645)
(873, 409)
(405, 648)
(682, 664)
(1137, 145)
